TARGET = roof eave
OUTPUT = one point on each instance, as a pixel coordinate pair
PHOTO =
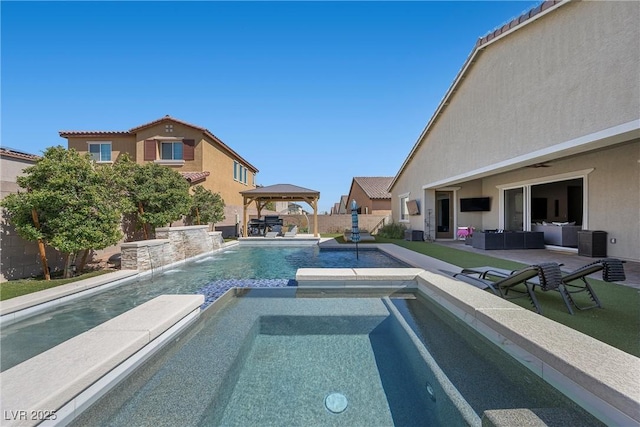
(521, 21)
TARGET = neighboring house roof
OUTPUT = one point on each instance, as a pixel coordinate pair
(134, 130)
(375, 187)
(92, 133)
(10, 152)
(194, 177)
(481, 44)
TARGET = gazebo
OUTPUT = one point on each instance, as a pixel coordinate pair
(279, 193)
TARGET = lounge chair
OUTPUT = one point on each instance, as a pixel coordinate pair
(612, 271)
(547, 274)
(292, 232)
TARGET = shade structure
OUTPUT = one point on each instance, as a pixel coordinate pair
(355, 231)
(279, 193)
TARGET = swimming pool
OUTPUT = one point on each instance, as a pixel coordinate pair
(303, 360)
(211, 275)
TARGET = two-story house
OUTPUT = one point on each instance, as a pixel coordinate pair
(193, 151)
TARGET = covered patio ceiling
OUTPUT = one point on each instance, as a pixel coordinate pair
(279, 193)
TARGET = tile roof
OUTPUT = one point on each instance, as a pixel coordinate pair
(517, 21)
(194, 177)
(92, 133)
(10, 152)
(134, 130)
(376, 187)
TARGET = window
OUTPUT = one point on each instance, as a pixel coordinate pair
(239, 172)
(404, 212)
(100, 151)
(171, 150)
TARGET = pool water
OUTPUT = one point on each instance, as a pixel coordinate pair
(275, 361)
(482, 372)
(396, 361)
(210, 275)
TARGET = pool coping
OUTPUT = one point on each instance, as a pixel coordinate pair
(602, 379)
(594, 374)
(30, 304)
(55, 386)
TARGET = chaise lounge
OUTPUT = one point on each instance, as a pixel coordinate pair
(547, 276)
(292, 232)
(612, 271)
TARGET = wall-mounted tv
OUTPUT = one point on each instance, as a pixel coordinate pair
(475, 204)
(413, 207)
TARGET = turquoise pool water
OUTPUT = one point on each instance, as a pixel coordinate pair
(214, 274)
(397, 361)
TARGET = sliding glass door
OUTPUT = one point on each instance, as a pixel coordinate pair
(560, 200)
(514, 209)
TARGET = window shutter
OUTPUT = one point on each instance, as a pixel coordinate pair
(150, 149)
(188, 149)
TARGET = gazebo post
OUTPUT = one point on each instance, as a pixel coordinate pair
(315, 218)
(244, 217)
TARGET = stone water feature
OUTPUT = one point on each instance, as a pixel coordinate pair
(170, 245)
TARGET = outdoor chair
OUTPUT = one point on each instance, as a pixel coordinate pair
(292, 232)
(547, 275)
(612, 271)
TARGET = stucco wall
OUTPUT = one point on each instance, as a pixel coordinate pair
(220, 165)
(19, 258)
(570, 73)
(119, 145)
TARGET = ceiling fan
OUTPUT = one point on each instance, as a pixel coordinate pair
(540, 165)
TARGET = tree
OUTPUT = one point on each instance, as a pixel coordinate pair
(206, 206)
(160, 195)
(69, 204)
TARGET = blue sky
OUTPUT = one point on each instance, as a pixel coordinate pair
(311, 93)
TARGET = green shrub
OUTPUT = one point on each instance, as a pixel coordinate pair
(392, 231)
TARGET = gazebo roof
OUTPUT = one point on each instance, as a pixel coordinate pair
(281, 191)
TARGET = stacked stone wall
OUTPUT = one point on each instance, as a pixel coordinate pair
(171, 245)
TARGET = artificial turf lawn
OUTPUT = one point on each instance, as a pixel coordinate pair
(16, 288)
(617, 323)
